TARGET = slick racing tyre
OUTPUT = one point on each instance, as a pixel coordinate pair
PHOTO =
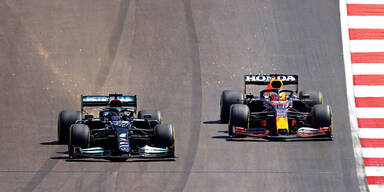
(238, 117)
(150, 115)
(79, 135)
(65, 120)
(322, 116)
(311, 98)
(164, 135)
(227, 99)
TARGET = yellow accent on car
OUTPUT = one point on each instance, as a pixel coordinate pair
(282, 123)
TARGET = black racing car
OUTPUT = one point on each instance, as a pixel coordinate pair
(116, 134)
(276, 112)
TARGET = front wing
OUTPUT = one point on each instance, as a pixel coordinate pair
(303, 132)
(102, 153)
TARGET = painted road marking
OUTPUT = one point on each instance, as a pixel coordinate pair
(374, 161)
(369, 101)
(363, 112)
(366, 34)
(372, 142)
(366, 22)
(367, 57)
(365, 1)
(371, 133)
(370, 122)
(368, 68)
(367, 45)
(368, 79)
(373, 152)
(369, 91)
(365, 9)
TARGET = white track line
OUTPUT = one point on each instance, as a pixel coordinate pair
(365, 1)
(350, 97)
(372, 22)
(372, 133)
(369, 91)
(368, 68)
(367, 45)
(373, 152)
(370, 112)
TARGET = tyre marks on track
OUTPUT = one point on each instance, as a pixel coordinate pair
(196, 96)
(113, 44)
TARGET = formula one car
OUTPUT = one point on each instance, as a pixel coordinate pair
(276, 113)
(116, 134)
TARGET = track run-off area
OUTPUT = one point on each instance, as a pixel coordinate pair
(176, 56)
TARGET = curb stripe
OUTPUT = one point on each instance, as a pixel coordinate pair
(368, 79)
(375, 180)
(370, 122)
(369, 143)
(369, 162)
(365, 34)
(368, 57)
(369, 101)
(365, 9)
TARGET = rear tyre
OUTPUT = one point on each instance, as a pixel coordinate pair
(79, 135)
(227, 99)
(165, 137)
(239, 117)
(311, 98)
(65, 120)
(322, 117)
(150, 115)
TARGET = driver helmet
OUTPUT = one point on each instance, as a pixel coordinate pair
(115, 103)
(275, 84)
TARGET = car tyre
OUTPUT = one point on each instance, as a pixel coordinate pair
(150, 115)
(311, 98)
(322, 117)
(165, 137)
(79, 135)
(65, 120)
(227, 99)
(238, 117)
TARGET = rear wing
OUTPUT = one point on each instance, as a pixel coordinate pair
(264, 79)
(94, 101)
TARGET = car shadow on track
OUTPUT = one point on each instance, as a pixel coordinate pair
(213, 122)
(253, 139)
(51, 143)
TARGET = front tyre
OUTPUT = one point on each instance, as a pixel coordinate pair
(79, 135)
(165, 137)
(322, 117)
(238, 117)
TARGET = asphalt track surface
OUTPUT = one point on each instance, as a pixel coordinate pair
(177, 56)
